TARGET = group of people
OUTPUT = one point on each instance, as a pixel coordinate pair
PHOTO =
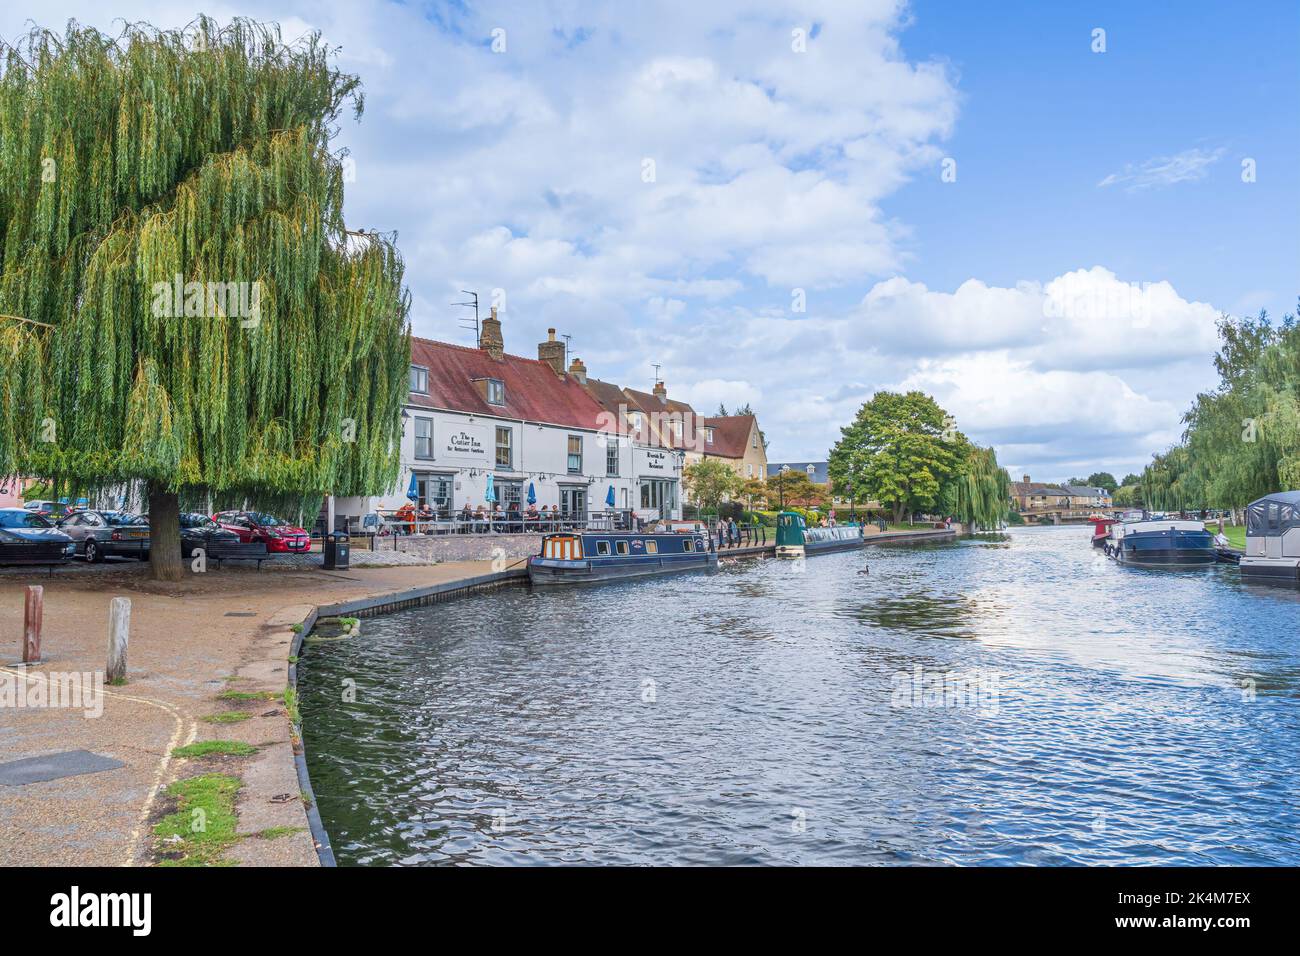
(513, 518)
(728, 533)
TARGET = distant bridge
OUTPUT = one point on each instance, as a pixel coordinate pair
(1062, 514)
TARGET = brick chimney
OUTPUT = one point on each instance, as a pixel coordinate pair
(552, 352)
(489, 339)
(661, 391)
(1026, 479)
(578, 371)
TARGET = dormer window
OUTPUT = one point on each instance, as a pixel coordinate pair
(419, 380)
(708, 434)
(637, 421)
(812, 469)
(496, 391)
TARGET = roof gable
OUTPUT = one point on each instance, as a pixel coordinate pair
(533, 392)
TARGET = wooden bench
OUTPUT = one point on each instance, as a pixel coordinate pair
(240, 551)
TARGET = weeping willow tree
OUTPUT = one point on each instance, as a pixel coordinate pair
(981, 490)
(183, 309)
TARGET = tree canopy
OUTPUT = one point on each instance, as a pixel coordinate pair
(711, 481)
(183, 305)
(1242, 440)
(904, 451)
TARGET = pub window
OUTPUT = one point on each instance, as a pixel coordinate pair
(575, 454)
(611, 458)
(621, 547)
(602, 547)
(496, 392)
(419, 379)
(503, 447)
(424, 438)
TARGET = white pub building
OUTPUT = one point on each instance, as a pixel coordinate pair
(475, 412)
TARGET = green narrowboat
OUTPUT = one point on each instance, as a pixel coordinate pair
(794, 539)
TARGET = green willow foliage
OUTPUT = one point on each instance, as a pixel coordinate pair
(157, 159)
(981, 490)
(1243, 439)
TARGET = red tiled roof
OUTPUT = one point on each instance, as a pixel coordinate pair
(534, 392)
(730, 435)
(667, 410)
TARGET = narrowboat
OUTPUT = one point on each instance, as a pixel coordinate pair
(1101, 526)
(1164, 543)
(1273, 539)
(794, 539)
(588, 557)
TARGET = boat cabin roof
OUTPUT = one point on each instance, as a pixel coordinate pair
(1273, 515)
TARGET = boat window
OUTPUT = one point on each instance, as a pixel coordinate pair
(602, 547)
(621, 547)
(688, 544)
(652, 547)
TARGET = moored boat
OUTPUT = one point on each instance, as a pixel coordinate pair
(1165, 543)
(1101, 526)
(1273, 539)
(588, 557)
(794, 539)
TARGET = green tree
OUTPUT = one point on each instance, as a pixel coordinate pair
(185, 315)
(711, 481)
(1129, 479)
(1102, 479)
(793, 487)
(899, 450)
(981, 490)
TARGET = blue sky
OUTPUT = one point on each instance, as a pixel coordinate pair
(1058, 297)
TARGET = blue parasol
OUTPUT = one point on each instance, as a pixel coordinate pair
(490, 495)
(532, 494)
(413, 492)
(609, 498)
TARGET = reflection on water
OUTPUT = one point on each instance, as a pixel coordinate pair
(754, 716)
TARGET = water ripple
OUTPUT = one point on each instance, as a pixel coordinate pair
(754, 717)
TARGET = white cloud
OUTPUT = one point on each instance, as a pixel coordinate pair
(1188, 166)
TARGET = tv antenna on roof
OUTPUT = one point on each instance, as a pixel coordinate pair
(464, 323)
(568, 341)
(655, 366)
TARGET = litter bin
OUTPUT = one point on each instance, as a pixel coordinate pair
(337, 551)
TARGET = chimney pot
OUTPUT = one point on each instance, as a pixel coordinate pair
(578, 371)
(661, 391)
(551, 352)
(489, 338)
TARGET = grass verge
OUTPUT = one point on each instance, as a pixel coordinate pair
(227, 717)
(226, 748)
(202, 827)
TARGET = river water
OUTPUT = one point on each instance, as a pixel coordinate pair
(1012, 699)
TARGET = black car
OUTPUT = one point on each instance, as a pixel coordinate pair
(200, 531)
(27, 537)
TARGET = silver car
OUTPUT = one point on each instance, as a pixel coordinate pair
(99, 534)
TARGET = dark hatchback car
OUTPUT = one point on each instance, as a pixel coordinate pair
(25, 536)
(100, 534)
(200, 531)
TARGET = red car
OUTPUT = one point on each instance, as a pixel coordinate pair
(256, 526)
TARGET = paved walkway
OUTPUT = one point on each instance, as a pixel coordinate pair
(225, 630)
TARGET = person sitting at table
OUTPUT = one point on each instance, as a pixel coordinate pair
(548, 518)
(466, 517)
(530, 514)
(480, 518)
(404, 518)
(514, 518)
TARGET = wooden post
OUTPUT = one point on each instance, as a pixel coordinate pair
(119, 627)
(32, 613)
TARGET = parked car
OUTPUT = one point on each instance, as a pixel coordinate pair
(25, 536)
(256, 526)
(99, 534)
(200, 531)
(38, 505)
